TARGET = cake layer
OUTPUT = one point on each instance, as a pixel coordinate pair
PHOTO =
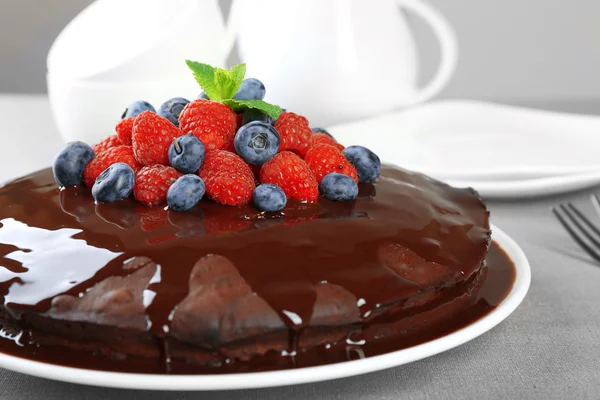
(231, 280)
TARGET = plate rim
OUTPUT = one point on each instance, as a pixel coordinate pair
(254, 380)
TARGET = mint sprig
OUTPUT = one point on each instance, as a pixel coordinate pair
(271, 110)
(221, 85)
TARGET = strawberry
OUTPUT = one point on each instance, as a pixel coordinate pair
(151, 137)
(153, 182)
(123, 129)
(323, 159)
(228, 179)
(288, 171)
(107, 158)
(111, 141)
(213, 123)
(295, 133)
(323, 138)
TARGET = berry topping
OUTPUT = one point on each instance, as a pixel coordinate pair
(152, 135)
(295, 133)
(111, 141)
(226, 143)
(256, 142)
(227, 177)
(250, 89)
(321, 130)
(186, 154)
(114, 183)
(366, 162)
(136, 108)
(152, 183)
(185, 193)
(323, 159)
(107, 158)
(292, 174)
(212, 122)
(70, 163)
(322, 138)
(256, 115)
(123, 129)
(338, 187)
(268, 197)
(171, 109)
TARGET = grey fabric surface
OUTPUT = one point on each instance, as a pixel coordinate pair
(549, 348)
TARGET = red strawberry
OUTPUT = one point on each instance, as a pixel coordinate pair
(228, 179)
(151, 137)
(218, 161)
(153, 182)
(295, 133)
(292, 174)
(323, 138)
(123, 129)
(107, 158)
(213, 123)
(238, 121)
(111, 141)
(325, 158)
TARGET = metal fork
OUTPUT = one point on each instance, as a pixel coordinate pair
(585, 233)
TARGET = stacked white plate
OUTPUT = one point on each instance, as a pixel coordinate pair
(502, 151)
(115, 52)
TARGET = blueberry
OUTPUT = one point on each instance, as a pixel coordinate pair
(256, 115)
(202, 95)
(250, 89)
(366, 162)
(268, 197)
(171, 109)
(114, 183)
(321, 130)
(69, 164)
(186, 154)
(338, 187)
(136, 108)
(256, 142)
(185, 192)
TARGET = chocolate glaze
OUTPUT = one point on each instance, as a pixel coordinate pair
(444, 317)
(58, 245)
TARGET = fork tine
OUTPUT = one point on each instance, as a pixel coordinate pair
(596, 203)
(586, 220)
(576, 217)
(576, 237)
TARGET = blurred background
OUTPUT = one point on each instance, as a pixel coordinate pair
(515, 51)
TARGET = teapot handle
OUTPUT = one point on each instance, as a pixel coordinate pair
(448, 46)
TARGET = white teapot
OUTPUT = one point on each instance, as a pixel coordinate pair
(338, 60)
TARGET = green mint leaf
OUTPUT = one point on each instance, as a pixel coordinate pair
(224, 82)
(238, 72)
(218, 83)
(205, 76)
(241, 105)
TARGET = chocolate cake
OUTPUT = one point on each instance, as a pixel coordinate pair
(219, 285)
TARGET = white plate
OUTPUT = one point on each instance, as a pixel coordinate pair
(502, 151)
(301, 375)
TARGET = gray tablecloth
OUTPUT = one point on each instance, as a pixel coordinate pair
(548, 348)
